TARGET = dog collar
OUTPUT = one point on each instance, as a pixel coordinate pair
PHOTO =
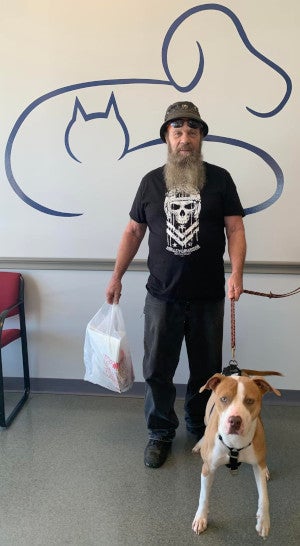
(233, 456)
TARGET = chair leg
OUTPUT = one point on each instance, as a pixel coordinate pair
(24, 350)
(2, 406)
(16, 410)
(6, 421)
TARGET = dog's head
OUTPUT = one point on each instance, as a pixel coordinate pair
(238, 400)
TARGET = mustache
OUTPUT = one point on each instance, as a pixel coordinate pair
(185, 148)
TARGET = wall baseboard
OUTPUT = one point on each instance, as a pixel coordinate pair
(80, 387)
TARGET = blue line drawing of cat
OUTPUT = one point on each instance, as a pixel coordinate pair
(97, 144)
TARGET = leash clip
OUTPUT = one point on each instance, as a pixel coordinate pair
(232, 368)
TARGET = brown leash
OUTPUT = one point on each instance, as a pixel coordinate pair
(253, 293)
(271, 295)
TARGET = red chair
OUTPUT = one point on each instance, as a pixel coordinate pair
(12, 304)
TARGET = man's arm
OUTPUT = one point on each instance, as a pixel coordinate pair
(235, 233)
(129, 245)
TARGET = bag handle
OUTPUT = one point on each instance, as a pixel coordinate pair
(116, 321)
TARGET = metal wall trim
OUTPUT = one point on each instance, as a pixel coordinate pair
(83, 264)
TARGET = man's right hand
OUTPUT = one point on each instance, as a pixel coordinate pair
(113, 291)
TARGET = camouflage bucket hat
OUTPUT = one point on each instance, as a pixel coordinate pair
(182, 110)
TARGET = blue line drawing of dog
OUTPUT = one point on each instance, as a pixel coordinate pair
(170, 82)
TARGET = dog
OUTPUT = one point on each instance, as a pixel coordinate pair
(234, 434)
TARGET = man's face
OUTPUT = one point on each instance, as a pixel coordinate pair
(184, 141)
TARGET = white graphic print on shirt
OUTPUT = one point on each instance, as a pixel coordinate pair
(182, 212)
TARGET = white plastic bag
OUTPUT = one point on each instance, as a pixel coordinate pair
(106, 352)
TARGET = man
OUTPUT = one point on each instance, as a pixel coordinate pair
(187, 205)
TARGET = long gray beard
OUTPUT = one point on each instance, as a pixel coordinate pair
(185, 174)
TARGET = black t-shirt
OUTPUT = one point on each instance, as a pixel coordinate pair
(186, 235)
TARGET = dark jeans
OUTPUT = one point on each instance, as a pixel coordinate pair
(166, 325)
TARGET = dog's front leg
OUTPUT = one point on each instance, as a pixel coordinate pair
(263, 516)
(200, 520)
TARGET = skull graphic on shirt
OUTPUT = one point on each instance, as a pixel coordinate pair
(182, 212)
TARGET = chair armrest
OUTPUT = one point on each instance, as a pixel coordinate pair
(5, 312)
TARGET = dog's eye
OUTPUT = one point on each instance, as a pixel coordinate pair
(224, 399)
(249, 401)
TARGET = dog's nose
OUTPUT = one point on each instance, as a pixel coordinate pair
(235, 422)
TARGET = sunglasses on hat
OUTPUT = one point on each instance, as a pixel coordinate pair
(192, 123)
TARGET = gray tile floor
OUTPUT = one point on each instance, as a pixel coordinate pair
(72, 473)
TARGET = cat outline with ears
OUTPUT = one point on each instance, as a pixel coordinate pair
(79, 110)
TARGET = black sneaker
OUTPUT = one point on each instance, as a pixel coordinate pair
(156, 452)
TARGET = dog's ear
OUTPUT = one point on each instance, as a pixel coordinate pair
(213, 382)
(264, 386)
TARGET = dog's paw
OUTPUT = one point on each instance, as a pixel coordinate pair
(199, 525)
(263, 525)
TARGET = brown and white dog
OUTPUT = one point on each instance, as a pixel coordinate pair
(234, 434)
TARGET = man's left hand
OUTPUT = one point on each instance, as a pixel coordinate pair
(235, 286)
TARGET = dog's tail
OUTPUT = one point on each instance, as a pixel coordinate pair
(259, 372)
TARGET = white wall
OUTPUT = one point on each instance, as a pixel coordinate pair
(72, 159)
(60, 303)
